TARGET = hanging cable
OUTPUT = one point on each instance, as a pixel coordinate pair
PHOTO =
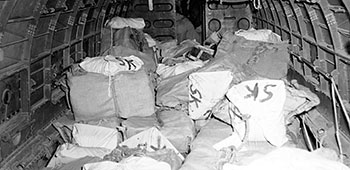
(150, 5)
(306, 134)
(336, 122)
(234, 111)
(341, 102)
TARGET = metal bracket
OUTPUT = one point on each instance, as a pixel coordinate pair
(71, 20)
(119, 8)
(103, 13)
(82, 19)
(52, 24)
(264, 3)
(313, 15)
(1, 36)
(111, 12)
(95, 14)
(289, 12)
(335, 75)
(31, 30)
(298, 12)
(330, 18)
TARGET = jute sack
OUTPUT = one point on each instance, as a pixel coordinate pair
(95, 96)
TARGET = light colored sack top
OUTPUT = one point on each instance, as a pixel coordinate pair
(110, 65)
(265, 35)
(119, 22)
(165, 71)
(95, 136)
(131, 163)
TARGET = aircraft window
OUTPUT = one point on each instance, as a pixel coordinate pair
(243, 23)
(214, 25)
(165, 23)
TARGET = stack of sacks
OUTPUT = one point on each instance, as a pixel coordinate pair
(251, 87)
(96, 147)
(175, 90)
(111, 87)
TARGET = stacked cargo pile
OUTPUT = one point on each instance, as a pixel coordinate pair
(162, 105)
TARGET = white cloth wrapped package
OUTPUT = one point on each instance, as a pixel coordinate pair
(290, 159)
(265, 35)
(165, 71)
(131, 163)
(263, 100)
(152, 138)
(120, 22)
(67, 153)
(110, 65)
(95, 136)
(205, 90)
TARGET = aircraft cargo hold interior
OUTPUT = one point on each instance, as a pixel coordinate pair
(174, 84)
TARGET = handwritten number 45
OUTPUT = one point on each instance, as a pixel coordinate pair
(255, 92)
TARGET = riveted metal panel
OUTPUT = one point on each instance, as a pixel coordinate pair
(227, 17)
(160, 22)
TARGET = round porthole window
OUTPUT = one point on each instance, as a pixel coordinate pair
(243, 23)
(214, 25)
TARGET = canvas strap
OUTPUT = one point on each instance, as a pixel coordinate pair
(114, 96)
